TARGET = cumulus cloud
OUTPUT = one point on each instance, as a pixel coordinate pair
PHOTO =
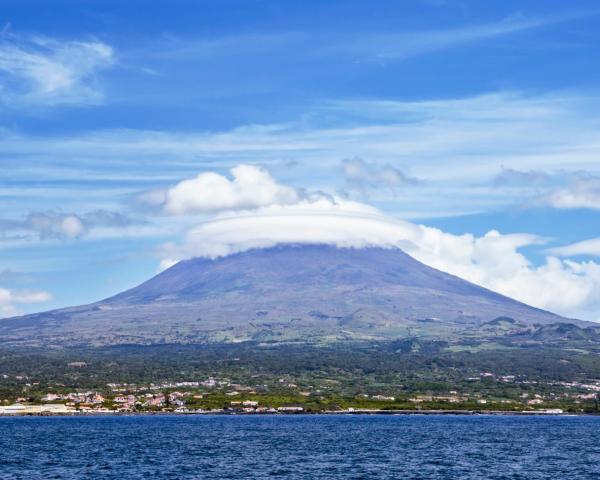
(562, 189)
(361, 176)
(10, 299)
(44, 71)
(581, 193)
(249, 187)
(65, 226)
(493, 260)
(55, 225)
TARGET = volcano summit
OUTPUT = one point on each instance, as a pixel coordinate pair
(312, 293)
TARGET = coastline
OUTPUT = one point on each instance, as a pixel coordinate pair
(322, 413)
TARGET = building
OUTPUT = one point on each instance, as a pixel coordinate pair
(19, 409)
(290, 409)
(51, 397)
(56, 409)
(15, 409)
(383, 398)
(421, 398)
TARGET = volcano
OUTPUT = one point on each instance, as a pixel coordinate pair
(287, 293)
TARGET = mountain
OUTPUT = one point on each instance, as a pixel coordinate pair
(313, 293)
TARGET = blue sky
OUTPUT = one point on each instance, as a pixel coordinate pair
(439, 120)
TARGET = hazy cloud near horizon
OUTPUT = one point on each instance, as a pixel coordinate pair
(11, 299)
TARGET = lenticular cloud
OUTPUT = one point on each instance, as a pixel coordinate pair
(493, 260)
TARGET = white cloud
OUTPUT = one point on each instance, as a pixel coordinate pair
(510, 177)
(319, 219)
(367, 45)
(66, 226)
(410, 44)
(454, 145)
(589, 247)
(362, 176)
(250, 187)
(9, 299)
(562, 189)
(581, 193)
(55, 225)
(43, 71)
(493, 260)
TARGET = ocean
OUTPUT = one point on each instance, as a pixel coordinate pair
(300, 447)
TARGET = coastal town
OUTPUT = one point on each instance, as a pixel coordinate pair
(222, 396)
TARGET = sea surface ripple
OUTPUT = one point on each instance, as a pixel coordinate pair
(300, 447)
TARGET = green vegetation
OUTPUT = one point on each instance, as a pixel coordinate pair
(416, 373)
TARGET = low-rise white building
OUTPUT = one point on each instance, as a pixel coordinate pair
(290, 409)
(49, 408)
(56, 408)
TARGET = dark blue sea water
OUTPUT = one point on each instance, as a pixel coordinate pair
(300, 447)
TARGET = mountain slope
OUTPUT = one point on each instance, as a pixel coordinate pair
(285, 293)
